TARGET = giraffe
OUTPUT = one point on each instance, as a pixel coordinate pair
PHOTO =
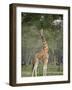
(42, 56)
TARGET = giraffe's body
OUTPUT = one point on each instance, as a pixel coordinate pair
(42, 55)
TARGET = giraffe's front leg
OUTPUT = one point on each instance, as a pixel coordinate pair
(45, 65)
(45, 69)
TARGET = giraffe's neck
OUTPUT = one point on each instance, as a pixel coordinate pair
(44, 42)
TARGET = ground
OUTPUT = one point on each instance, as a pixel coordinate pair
(52, 70)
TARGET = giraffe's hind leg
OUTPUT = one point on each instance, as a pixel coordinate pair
(34, 72)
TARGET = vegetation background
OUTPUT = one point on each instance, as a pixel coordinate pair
(52, 25)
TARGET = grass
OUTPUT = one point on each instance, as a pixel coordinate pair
(52, 70)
